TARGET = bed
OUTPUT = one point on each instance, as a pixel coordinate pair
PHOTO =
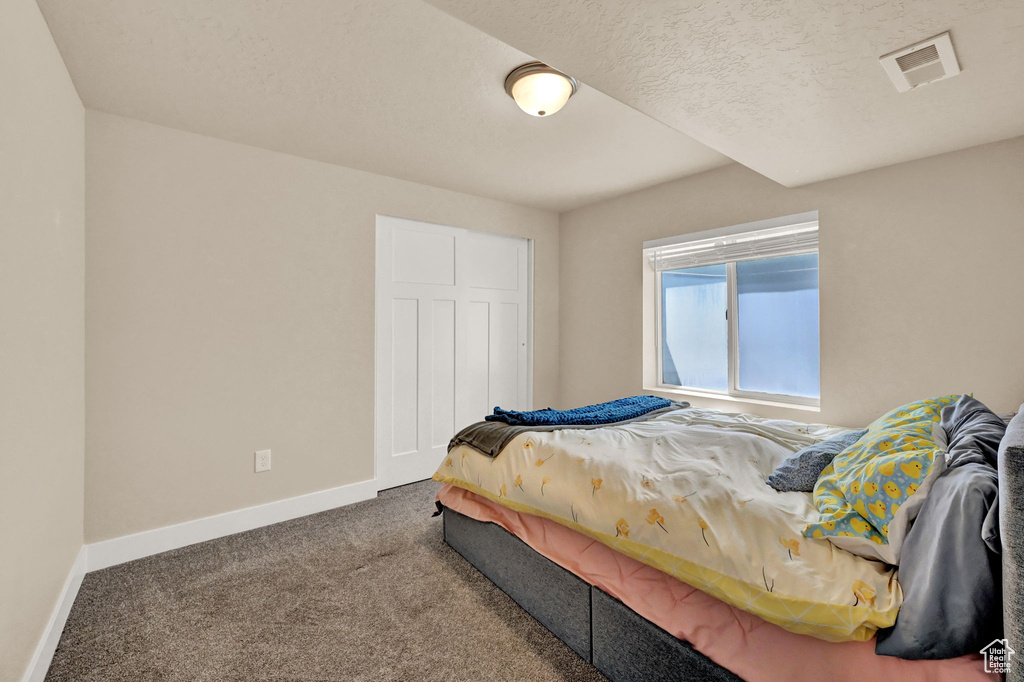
(626, 599)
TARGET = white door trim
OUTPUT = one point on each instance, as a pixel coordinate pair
(529, 323)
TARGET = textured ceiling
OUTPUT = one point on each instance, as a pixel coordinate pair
(791, 88)
(395, 87)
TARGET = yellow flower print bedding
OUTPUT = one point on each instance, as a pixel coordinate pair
(871, 492)
(685, 492)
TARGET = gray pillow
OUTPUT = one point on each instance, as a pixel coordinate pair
(799, 472)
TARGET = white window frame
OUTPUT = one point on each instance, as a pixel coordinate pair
(653, 366)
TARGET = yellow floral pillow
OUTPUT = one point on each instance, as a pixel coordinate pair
(872, 491)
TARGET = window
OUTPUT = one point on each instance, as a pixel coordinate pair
(736, 311)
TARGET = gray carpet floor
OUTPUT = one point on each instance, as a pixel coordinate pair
(365, 592)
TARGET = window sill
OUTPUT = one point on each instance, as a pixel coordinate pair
(732, 398)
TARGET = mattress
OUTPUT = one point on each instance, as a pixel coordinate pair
(685, 493)
(750, 647)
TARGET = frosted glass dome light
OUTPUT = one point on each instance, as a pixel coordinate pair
(538, 89)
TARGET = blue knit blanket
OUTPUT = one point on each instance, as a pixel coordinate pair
(602, 413)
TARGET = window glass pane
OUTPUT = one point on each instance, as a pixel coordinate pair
(778, 325)
(694, 329)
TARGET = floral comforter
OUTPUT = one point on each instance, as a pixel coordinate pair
(685, 493)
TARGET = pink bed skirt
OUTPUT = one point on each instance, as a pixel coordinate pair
(752, 648)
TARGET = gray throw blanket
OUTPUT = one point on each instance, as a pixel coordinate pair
(950, 570)
(491, 438)
(951, 567)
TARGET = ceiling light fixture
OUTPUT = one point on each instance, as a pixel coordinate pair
(538, 89)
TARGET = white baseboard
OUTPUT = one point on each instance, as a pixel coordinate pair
(108, 553)
(130, 547)
(43, 654)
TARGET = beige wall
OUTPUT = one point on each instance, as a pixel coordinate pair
(231, 302)
(41, 330)
(922, 268)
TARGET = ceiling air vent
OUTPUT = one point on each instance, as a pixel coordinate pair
(925, 62)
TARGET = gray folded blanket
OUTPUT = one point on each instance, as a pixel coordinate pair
(490, 438)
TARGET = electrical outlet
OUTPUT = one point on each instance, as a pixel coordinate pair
(262, 460)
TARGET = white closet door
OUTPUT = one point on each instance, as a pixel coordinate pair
(452, 339)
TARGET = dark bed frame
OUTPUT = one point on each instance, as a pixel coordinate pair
(626, 647)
